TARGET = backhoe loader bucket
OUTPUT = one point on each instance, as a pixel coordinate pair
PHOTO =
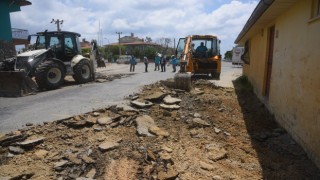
(101, 63)
(16, 84)
(183, 81)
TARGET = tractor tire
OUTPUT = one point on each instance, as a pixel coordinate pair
(82, 72)
(50, 75)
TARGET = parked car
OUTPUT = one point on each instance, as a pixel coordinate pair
(123, 59)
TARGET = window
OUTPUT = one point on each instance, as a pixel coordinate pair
(69, 45)
(180, 47)
(246, 55)
(68, 42)
(315, 10)
(211, 46)
(41, 42)
(54, 41)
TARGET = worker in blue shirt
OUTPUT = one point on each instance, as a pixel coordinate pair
(133, 63)
(201, 48)
(174, 63)
(157, 62)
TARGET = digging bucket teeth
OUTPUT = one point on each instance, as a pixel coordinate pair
(16, 84)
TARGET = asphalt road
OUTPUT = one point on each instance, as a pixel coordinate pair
(79, 99)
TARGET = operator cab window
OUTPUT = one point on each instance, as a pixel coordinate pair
(54, 41)
(210, 45)
(68, 43)
(180, 47)
(41, 42)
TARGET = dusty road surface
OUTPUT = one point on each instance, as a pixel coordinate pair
(208, 133)
(75, 99)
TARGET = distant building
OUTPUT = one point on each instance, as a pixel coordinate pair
(282, 42)
(131, 42)
(130, 39)
(85, 44)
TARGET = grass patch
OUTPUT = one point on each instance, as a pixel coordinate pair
(242, 83)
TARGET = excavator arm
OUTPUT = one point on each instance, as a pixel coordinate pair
(182, 79)
(95, 55)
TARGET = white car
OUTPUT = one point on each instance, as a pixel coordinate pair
(123, 59)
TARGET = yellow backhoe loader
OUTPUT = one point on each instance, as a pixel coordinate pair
(199, 54)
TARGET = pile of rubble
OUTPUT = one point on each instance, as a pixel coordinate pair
(163, 133)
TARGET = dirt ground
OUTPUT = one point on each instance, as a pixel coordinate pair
(213, 133)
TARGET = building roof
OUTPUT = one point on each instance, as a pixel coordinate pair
(16, 4)
(134, 44)
(265, 12)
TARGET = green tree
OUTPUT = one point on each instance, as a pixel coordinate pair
(85, 51)
(148, 39)
(228, 55)
(150, 52)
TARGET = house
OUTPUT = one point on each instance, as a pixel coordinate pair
(131, 43)
(282, 62)
(84, 44)
(130, 39)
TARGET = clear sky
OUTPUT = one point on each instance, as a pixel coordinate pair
(152, 18)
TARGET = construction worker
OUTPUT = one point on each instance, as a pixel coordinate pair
(157, 62)
(146, 62)
(174, 63)
(163, 64)
(133, 63)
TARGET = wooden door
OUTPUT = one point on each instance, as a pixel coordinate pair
(271, 35)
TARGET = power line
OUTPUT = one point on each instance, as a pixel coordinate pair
(57, 22)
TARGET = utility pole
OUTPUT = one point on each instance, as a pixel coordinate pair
(57, 22)
(119, 43)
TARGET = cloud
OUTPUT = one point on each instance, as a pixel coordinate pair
(155, 19)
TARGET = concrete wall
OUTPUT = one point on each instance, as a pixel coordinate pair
(255, 70)
(295, 79)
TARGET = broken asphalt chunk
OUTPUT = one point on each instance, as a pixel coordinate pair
(198, 121)
(16, 150)
(143, 124)
(171, 100)
(156, 96)
(170, 107)
(7, 140)
(138, 104)
(158, 131)
(108, 145)
(31, 143)
(104, 121)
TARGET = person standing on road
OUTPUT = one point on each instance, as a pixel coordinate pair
(163, 64)
(146, 62)
(174, 63)
(157, 62)
(133, 63)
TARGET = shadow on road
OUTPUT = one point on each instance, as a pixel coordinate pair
(100, 78)
(279, 155)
